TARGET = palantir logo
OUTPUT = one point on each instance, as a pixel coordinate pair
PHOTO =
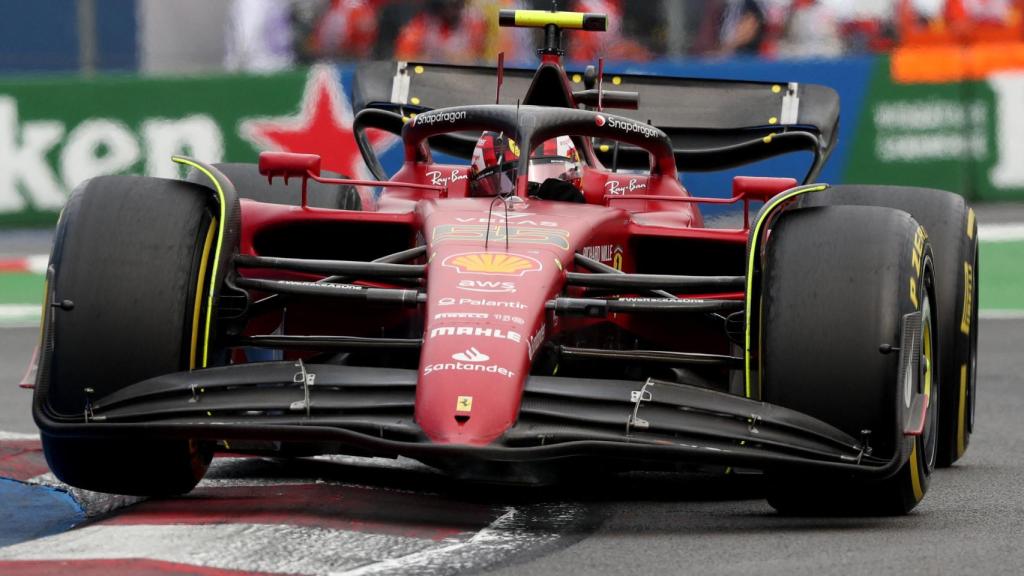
(471, 355)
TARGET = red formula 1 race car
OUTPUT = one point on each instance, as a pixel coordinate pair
(550, 302)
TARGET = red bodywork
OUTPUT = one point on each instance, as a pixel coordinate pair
(491, 269)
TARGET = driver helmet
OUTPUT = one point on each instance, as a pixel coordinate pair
(492, 168)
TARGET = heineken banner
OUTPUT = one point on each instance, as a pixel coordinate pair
(56, 132)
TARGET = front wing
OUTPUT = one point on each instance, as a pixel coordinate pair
(370, 411)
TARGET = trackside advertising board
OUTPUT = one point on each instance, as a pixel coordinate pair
(965, 136)
(56, 132)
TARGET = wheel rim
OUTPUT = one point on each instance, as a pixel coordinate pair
(927, 384)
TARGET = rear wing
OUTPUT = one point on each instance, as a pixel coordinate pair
(713, 124)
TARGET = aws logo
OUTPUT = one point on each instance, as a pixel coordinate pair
(492, 263)
(487, 286)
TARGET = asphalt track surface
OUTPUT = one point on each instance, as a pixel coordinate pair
(366, 517)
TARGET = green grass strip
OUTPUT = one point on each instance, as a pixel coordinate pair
(1001, 284)
(21, 288)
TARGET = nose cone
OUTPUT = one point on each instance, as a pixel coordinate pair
(485, 308)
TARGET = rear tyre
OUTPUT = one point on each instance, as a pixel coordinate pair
(837, 284)
(133, 257)
(250, 184)
(952, 231)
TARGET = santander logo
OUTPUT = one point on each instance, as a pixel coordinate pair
(471, 355)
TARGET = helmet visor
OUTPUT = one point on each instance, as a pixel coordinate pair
(553, 167)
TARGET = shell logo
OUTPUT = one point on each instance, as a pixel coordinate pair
(492, 263)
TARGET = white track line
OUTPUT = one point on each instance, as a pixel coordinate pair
(245, 547)
(498, 540)
(1012, 232)
(427, 557)
(36, 263)
(17, 436)
(1001, 314)
(19, 315)
(257, 547)
(11, 311)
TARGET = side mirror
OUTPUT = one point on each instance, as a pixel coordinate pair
(288, 164)
(760, 187)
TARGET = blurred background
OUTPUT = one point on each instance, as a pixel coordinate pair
(932, 91)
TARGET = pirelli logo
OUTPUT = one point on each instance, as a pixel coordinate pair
(965, 317)
(916, 255)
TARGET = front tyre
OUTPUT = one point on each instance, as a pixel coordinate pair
(132, 258)
(952, 232)
(838, 282)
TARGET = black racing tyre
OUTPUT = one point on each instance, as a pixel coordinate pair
(837, 283)
(952, 231)
(249, 183)
(132, 258)
(132, 466)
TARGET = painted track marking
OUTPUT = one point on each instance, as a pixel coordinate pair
(1010, 232)
(1009, 314)
(17, 436)
(19, 314)
(247, 517)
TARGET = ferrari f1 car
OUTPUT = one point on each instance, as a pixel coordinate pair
(551, 300)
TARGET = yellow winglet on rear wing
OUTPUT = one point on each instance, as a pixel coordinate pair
(543, 18)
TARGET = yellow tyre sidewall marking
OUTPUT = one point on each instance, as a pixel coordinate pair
(219, 250)
(917, 256)
(961, 428)
(766, 211)
(200, 283)
(968, 299)
(915, 475)
(966, 319)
